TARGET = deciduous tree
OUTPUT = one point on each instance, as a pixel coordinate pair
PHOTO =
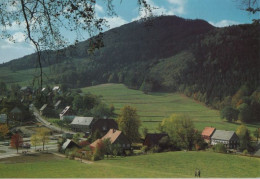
(229, 113)
(43, 134)
(35, 140)
(16, 141)
(129, 123)
(3, 130)
(244, 136)
(180, 129)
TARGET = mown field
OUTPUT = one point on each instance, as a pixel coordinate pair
(157, 106)
(170, 165)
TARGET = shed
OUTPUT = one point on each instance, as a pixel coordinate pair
(68, 144)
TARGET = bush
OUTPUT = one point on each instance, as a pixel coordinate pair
(245, 152)
(155, 149)
(220, 148)
(128, 152)
(144, 149)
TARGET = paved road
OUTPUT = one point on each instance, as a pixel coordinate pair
(47, 124)
(10, 152)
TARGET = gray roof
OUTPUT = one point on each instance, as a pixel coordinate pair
(43, 107)
(82, 120)
(16, 110)
(65, 144)
(64, 110)
(3, 118)
(58, 103)
(223, 135)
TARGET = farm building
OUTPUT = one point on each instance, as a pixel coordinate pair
(207, 134)
(116, 137)
(67, 114)
(103, 125)
(82, 124)
(153, 139)
(228, 138)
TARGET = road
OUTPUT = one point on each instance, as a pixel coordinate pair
(47, 124)
(10, 152)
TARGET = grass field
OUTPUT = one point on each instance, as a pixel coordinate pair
(170, 164)
(21, 77)
(157, 106)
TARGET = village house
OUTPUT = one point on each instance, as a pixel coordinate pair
(228, 138)
(82, 124)
(103, 125)
(207, 134)
(152, 140)
(57, 105)
(67, 114)
(43, 109)
(68, 144)
(16, 114)
(117, 138)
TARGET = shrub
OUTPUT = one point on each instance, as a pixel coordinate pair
(155, 149)
(245, 152)
(220, 148)
(128, 152)
(144, 149)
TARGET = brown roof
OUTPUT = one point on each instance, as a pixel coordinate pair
(208, 131)
(112, 134)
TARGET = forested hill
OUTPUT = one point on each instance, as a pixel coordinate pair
(218, 66)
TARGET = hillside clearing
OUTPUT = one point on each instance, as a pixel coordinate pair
(154, 107)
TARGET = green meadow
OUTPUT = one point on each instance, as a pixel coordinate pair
(169, 164)
(22, 77)
(154, 107)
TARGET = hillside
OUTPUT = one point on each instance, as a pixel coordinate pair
(167, 54)
(154, 107)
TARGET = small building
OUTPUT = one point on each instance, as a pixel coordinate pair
(153, 139)
(16, 114)
(67, 114)
(207, 134)
(57, 104)
(68, 144)
(43, 109)
(228, 138)
(3, 118)
(116, 137)
(82, 124)
(103, 125)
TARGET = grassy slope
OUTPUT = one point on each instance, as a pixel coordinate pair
(156, 106)
(171, 164)
(21, 77)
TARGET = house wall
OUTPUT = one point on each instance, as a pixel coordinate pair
(231, 144)
(80, 128)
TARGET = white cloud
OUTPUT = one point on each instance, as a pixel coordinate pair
(11, 51)
(175, 7)
(115, 21)
(99, 9)
(224, 23)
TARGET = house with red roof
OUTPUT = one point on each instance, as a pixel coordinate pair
(207, 133)
(116, 137)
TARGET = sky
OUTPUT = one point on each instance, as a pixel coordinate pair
(219, 13)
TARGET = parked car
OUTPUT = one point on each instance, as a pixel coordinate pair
(26, 145)
(6, 143)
